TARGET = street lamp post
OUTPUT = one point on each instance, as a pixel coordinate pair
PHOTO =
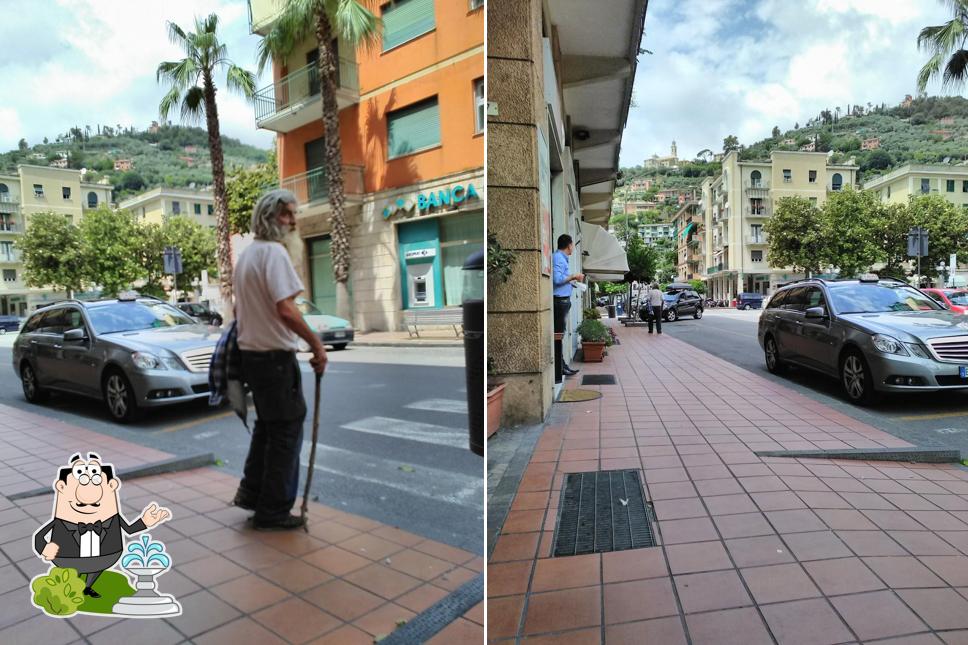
(943, 273)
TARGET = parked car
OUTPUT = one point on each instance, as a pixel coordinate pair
(9, 323)
(873, 335)
(681, 303)
(955, 299)
(201, 313)
(130, 352)
(331, 329)
(747, 301)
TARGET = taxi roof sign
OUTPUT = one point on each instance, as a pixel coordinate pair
(869, 277)
(128, 296)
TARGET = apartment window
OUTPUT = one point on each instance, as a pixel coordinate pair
(198, 209)
(837, 181)
(757, 255)
(211, 209)
(92, 199)
(404, 20)
(787, 175)
(950, 185)
(6, 252)
(7, 223)
(66, 192)
(756, 232)
(755, 179)
(38, 190)
(888, 191)
(964, 186)
(176, 208)
(9, 275)
(413, 128)
(479, 106)
(925, 185)
(812, 176)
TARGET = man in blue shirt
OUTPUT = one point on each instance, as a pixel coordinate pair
(561, 281)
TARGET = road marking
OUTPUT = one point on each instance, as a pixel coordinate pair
(423, 481)
(411, 430)
(939, 415)
(950, 430)
(206, 434)
(439, 405)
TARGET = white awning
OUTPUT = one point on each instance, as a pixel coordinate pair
(603, 258)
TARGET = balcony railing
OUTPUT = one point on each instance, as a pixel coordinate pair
(313, 186)
(762, 238)
(11, 257)
(9, 227)
(762, 184)
(299, 87)
(762, 211)
(9, 203)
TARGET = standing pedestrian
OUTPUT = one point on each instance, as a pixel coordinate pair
(562, 289)
(269, 328)
(655, 299)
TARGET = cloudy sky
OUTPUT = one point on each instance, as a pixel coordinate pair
(83, 62)
(723, 67)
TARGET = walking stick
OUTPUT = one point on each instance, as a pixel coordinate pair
(312, 456)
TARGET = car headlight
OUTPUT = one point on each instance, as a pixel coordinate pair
(889, 345)
(146, 361)
(917, 350)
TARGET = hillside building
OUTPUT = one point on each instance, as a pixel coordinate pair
(871, 143)
(122, 165)
(655, 161)
(922, 179)
(689, 227)
(159, 204)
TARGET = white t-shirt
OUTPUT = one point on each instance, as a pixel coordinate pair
(264, 275)
(655, 297)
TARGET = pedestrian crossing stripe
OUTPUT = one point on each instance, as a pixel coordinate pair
(410, 430)
(440, 405)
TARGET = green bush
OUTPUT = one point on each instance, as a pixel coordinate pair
(591, 313)
(59, 593)
(594, 331)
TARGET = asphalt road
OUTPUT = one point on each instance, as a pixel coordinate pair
(392, 440)
(929, 419)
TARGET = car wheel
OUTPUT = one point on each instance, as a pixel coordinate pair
(856, 379)
(3, 330)
(119, 397)
(339, 347)
(217, 321)
(746, 307)
(772, 354)
(698, 314)
(673, 315)
(31, 386)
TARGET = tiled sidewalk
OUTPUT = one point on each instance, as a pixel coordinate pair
(753, 550)
(349, 580)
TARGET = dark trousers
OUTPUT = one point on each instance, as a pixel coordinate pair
(270, 479)
(657, 317)
(561, 308)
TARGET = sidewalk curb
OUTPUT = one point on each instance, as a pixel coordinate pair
(921, 455)
(435, 618)
(412, 343)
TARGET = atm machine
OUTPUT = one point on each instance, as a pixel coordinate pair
(420, 278)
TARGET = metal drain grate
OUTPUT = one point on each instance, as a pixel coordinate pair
(602, 511)
(598, 379)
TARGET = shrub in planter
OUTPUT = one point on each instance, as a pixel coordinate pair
(591, 313)
(594, 338)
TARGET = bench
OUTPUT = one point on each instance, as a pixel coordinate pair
(453, 316)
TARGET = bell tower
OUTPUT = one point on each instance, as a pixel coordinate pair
(674, 155)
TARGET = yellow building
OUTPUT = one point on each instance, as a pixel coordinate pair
(915, 179)
(158, 204)
(689, 231)
(37, 189)
(737, 204)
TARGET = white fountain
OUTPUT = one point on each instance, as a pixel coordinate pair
(145, 561)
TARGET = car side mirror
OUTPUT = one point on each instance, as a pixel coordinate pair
(816, 313)
(75, 335)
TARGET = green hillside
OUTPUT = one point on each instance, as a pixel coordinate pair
(173, 156)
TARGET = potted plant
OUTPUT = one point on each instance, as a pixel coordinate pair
(495, 399)
(594, 338)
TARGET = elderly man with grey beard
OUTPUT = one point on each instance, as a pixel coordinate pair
(269, 328)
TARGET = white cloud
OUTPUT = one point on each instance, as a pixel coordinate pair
(726, 67)
(93, 61)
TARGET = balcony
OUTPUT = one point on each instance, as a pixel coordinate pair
(262, 14)
(313, 186)
(9, 203)
(10, 257)
(294, 100)
(10, 226)
(755, 240)
(762, 211)
(757, 188)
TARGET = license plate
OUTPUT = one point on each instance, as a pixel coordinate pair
(963, 371)
(339, 334)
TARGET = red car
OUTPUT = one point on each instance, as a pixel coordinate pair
(956, 299)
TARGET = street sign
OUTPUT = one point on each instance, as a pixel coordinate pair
(918, 242)
(172, 260)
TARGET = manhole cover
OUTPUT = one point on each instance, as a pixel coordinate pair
(602, 511)
(576, 396)
(598, 379)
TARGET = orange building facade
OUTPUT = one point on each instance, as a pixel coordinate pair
(412, 120)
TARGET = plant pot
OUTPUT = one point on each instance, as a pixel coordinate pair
(495, 404)
(592, 352)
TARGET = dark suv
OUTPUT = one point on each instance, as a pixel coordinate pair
(682, 303)
(201, 313)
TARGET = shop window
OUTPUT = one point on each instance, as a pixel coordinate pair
(479, 106)
(787, 175)
(404, 20)
(460, 236)
(66, 192)
(198, 209)
(413, 128)
(950, 185)
(757, 255)
(92, 199)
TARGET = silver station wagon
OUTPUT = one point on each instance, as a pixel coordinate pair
(132, 352)
(873, 335)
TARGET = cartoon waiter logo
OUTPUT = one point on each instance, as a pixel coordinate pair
(84, 538)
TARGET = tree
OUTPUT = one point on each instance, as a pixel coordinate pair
(795, 235)
(877, 160)
(195, 242)
(22, 145)
(243, 187)
(796, 126)
(946, 43)
(52, 253)
(110, 245)
(705, 154)
(731, 142)
(848, 218)
(826, 117)
(192, 86)
(45, 140)
(698, 286)
(357, 26)
(642, 260)
(776, 132)
(896, 221)
(947, 226)
(131, 180)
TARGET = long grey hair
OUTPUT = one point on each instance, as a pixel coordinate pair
(265, 225)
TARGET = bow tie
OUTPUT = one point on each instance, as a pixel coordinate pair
(81, 528)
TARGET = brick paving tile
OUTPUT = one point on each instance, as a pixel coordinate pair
(729, 627)
(575, 637)
(709, 591)
(523, 521)
(842, 576)
(385, 619)
(417, 564)
(923, 543)
(730, 504)
(677, 509)
(296, 620)
(383, 581)
(878, 614)
(779, 582)
(243, 631)
(713, 487)
(42, 629)
(459, 632)
(846, 520)
(939, 608)
(757, 551)
(893, 520)
(370, 546)
(806, 622)
(248, 593)
(504, 616)
(508, 578)
(869, 543)
(778, 501)
(639, 600)
(817, 545)
(955, 638)
(743, 525)
(336, 561)
(667, 631)
(562, 573)
(332, 532)
(202, 611)
(294, 575)
(672, 490)
(903, 572)
(515, 546)
(698, 556)
(635, 564)
(211, 570)
(795, 521)
(951, 569)
(421, 598)
(938, 520)
(957, 539)
(563, 610)
(696, 529)
(454, 578)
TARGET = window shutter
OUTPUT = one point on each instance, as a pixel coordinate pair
(414, 128)
(404, 20)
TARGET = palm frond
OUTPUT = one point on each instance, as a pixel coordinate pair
(292, 26)
(168, 102)
(181, 74)
(241, 81)
(928, 36)
(210, 24)
(176, 34)
(354, 23)
(193, 106)
(956, 71)
(929, 71)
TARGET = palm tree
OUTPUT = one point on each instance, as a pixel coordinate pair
(193, 87)
(947, 41)
(353, 23)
